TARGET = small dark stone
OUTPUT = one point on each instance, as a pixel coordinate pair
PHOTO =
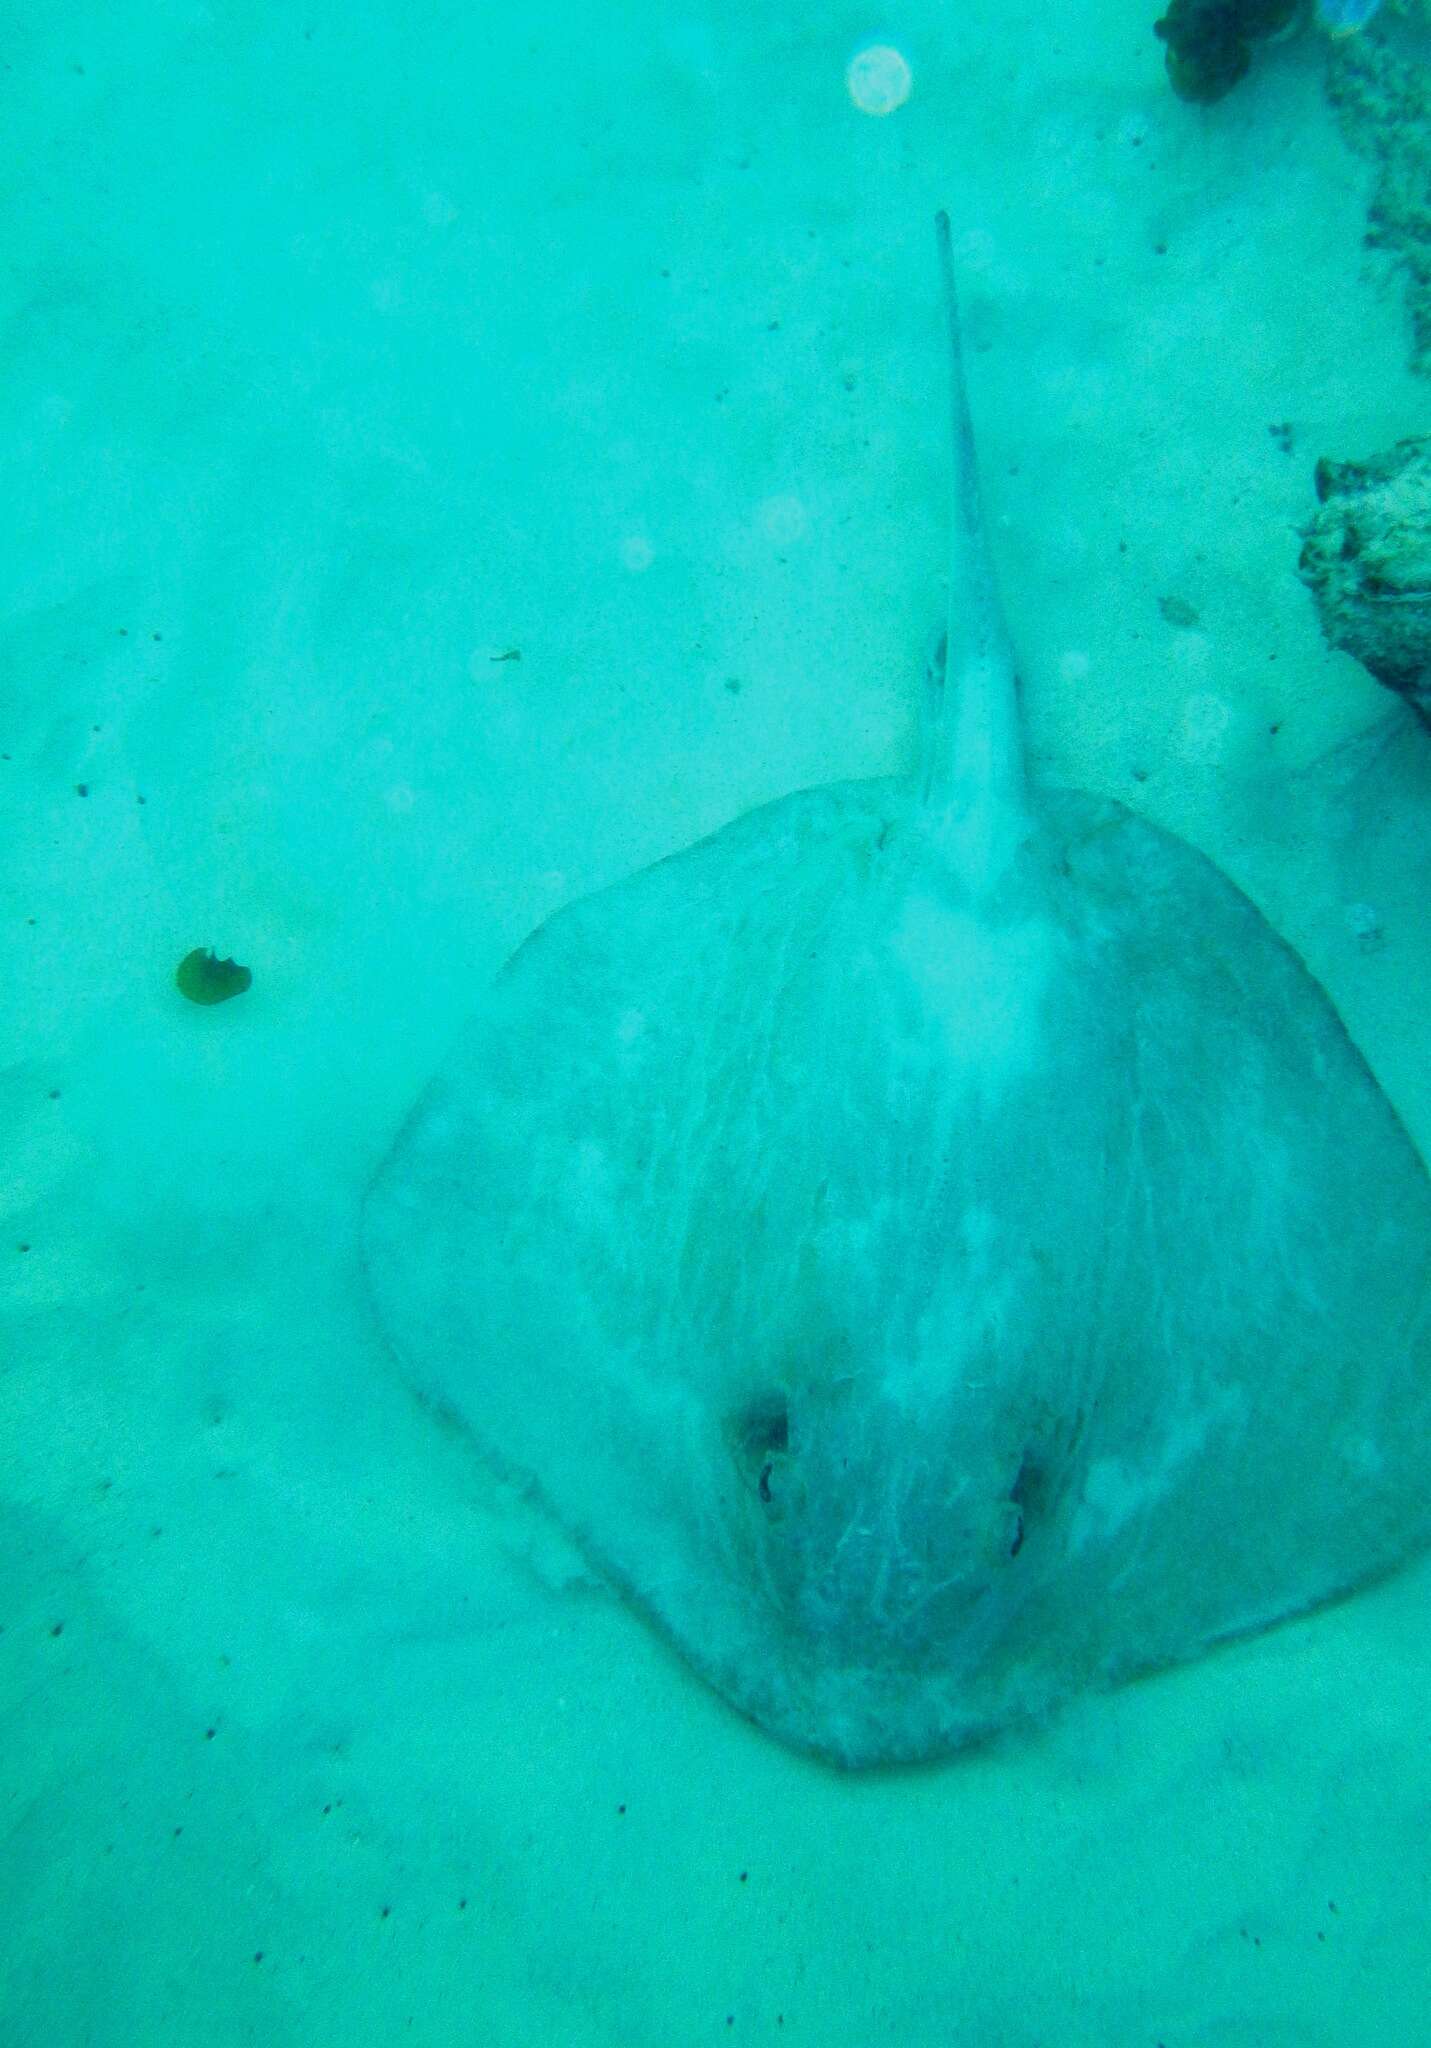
(204, 978)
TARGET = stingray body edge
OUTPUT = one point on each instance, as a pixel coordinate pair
(909, 1403)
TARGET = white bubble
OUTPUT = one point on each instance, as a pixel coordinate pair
(637, 552)
(878, 79)
(783, 519)
(1073, 666)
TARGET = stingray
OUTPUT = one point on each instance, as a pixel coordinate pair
(931, 1244)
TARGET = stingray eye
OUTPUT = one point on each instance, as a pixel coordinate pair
(1025, 1496)
(760, 1437)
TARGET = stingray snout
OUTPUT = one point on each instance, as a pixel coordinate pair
(876, 1541)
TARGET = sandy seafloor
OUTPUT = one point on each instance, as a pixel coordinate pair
(347, 349)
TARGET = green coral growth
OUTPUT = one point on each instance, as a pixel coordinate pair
(1379, 85)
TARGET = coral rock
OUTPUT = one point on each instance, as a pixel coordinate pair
(1366, 557)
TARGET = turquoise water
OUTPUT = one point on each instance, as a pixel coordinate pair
(458, 458)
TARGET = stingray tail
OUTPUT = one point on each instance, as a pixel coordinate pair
(972, 767)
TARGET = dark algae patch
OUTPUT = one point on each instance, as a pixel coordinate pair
(203, 978)
(1209, 41)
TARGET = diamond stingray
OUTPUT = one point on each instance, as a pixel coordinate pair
(931, 1243)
